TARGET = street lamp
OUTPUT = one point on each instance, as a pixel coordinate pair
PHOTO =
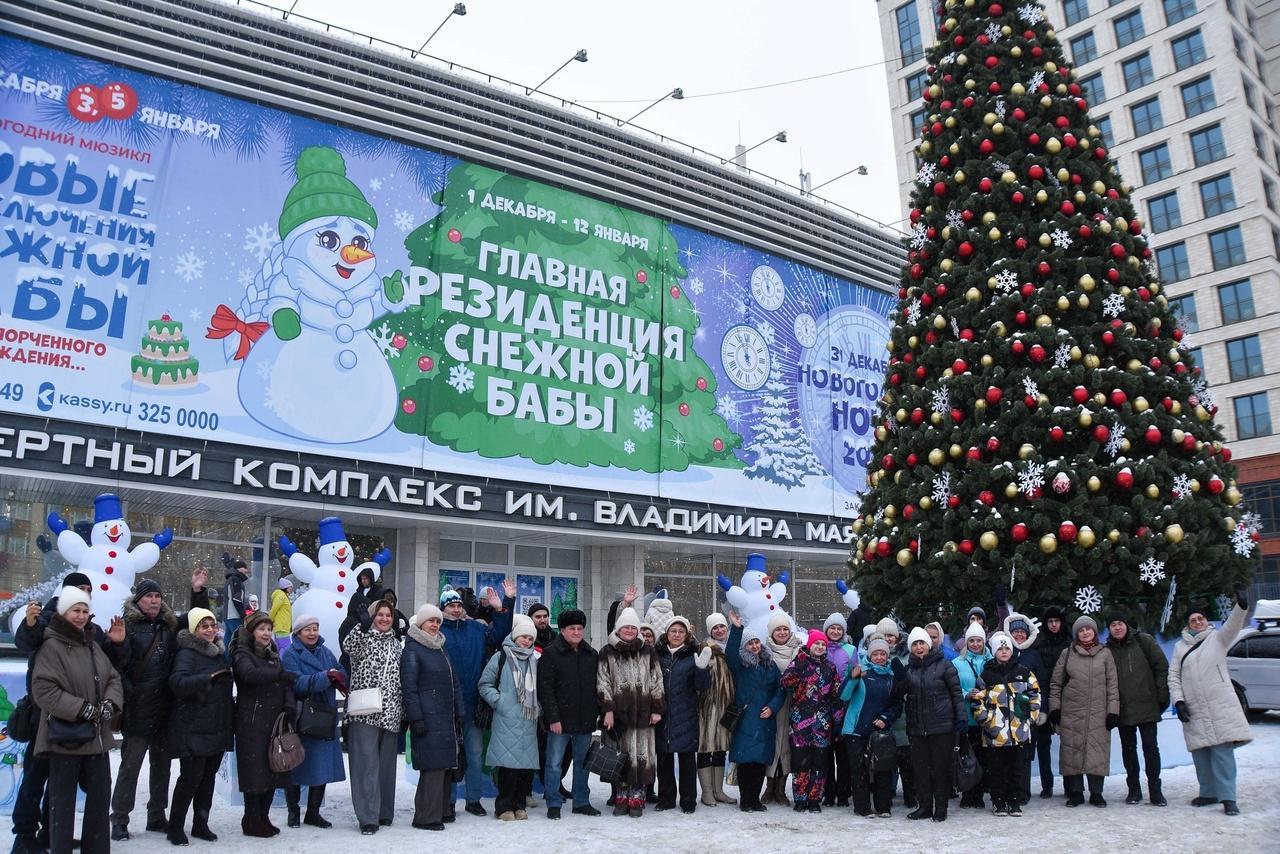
(739, 157)
(459, 9)
(292, 6)
(580, 56)
(676, 94)
(861, 170)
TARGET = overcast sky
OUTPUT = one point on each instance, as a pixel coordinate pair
(639, 50)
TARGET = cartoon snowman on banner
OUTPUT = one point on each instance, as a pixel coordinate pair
(107, 559)
(310, 368)
(331, 579)
(755, 597)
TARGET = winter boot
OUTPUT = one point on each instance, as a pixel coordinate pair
(1096, 799)
(717, 783)
(1230, 808)
(292, 795)
(200, 827)
(1155, 793)
(920, 812)
(780, 790)
(940, 812)
(998, 808)
(635, 807)
(1202, 801)
(119, 832)
(315, 797)
(707, 786)
(1135, 793)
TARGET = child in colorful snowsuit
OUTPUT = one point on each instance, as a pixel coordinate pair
(813, 684)
(1005, 704)
(872, 706)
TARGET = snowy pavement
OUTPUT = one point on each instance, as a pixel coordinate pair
(1045, 825)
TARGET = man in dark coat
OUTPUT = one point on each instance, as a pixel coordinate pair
(1142, 672)
(236, 598)
(570, 710)
(541, 616)
(1053, 641)
(151, 631)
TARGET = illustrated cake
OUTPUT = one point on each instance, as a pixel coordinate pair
(165, 358)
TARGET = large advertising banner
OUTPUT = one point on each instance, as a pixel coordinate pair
(177, 261)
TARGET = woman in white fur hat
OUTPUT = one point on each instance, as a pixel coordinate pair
(713, 739)
(782, 644)
(509, 685)
(629, 687)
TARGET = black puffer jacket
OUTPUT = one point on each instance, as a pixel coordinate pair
(1051, 646)
(683, 682)
(146, 681)
(264, 690)
(567, 686)
(934, 704)
(203, 712)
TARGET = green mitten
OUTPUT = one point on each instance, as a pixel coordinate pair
(286, 324)
(393, 287)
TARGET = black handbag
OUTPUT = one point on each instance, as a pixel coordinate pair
(483, 716)
(732, 715)
(968, 773)
(70, 734)
(882, 751)
(606, 761)
(316, 720)
(23, 720)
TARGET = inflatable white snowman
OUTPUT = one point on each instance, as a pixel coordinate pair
(756, 597)
(331, 579)
(107, 559)
(311, 369)
(850, 596)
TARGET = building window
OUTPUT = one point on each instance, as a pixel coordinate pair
(1217, 195)
(1236, 301)
(1084, 49)
(1188, 50)
(1264, 499)
(1172, 262)
(916, 84)
(1250, 93)
(1253, 416)
(1238, 41)
(916, 121)
(1275, 242)
(1178, 10)
(1165, 212)
(1103, 124)
(1155, 163)
(1184, 311)
(909, 47)
(1129, 28)
(1197, 96)
(1227, 247)
(1194, 360)
(1146, 116)
(1137, 72)
(1074, 11)
(1093, 89)
(1244, 358)
(1207, 145)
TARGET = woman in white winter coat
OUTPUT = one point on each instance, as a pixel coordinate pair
(1213, 723)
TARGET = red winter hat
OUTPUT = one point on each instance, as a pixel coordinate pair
(814, 637)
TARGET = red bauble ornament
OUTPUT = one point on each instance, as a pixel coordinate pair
(399, 341)
(409, 406)
(1080, 394)
(940, 189)
(882, 548)
(1044, 268)
(1020, 114)
(684, 409)
(1017, 198)
(987, 497)
(908, 512)
(966, 547)
(953, 501)
(1101, 433)
(1118, 397)
(965, 249)
(957, 415)
(986, 146)
(701, 383)
(1085, 231)
(1061, 121)
(993, 445)
(1031, 402)
(1019, 532)
(717, 445)
(1226, 454)
(886, 462)
(995, 10)
(917, 416)
(1037, 353)
(1124, 479)
(1021, 317)
(1108, 338)
(985, 185)
(1067, 532)
(1067, 208)
(966, 334)
(1188, 443)
(912, 460)
(1215, 485)
(959, 366)
(1117, 251)
(994, 395)
(1036, 172)
(973, 454)
(1057, 434)
(426, 363)
(991, 61)
(1034, 139)
(1021, 244)
(455, 236)
(1017, 348)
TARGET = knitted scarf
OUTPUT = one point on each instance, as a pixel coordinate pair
(524, 673)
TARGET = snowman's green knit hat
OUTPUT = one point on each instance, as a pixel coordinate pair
(323, 189)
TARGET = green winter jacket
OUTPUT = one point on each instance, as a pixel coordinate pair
(1143, 674)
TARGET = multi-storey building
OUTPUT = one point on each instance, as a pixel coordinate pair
(1185, 94)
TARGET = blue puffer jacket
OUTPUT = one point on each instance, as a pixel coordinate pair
(323, 761)
(969, 668)
(878, 700)
(683, 683)
(432, 697)
(756, 685)
(469, 643)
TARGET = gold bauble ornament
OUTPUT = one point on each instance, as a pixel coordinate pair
(1042, 196)
(1043, 320)
(1052, 145)
(890, 511)
(881, 433)
(913, 342)
(1091, 360)
(1016, 53)
(988, 540)
(1114, 536)
(900, 416)
(1086, 283)
(989, 119)
(1094, 484)
(939, 322)
(1009, 176)
(988, 217)
(1076, 354)
(925, 147)
(956, 451)
(1082, 301)
(1063, 175)
(1100, 399)
(980, 405)
(945, 265)
(1085, 418)
(1027, 451)
(935, 418)
(936, 457)
(904, 557)
(926, 503)
(1232, 496)
(1152, 491)
(1177, 435)
(1063, 303)
(1086, 537)
(1048, 544)
(960, 176)
(993, 234)
(955, 148)
(1140, 404)
(1011, 490)
(1045, 240)
(973, 295)
(1018, 89)
(949, 546)
(987, 362)
(1173, 533)
(1195, 484)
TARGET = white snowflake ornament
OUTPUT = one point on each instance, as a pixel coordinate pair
(1167, 611)
(1036, 79)
(1029, 387)
(941, 400)
(955, 219)
(1181, 486)
(926, 174)
(1031, 479)
(942, 488)
(1006, 281)
(1062, 356)
(1115, 443)
(1030, 14)
(1061, 238)
(913, 312)
(1113, 306)
(1088, 599)
(1151, 571)
(992, 32)
(919, 236)
(1242, 541)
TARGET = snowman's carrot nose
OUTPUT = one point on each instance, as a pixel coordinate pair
(764, 582)
(354, 254)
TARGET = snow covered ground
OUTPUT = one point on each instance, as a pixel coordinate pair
(1045, 825)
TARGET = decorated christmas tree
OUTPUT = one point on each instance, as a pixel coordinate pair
(1044, 424)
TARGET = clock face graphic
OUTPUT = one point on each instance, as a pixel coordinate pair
(745, 357)
(806, 329)
(767, 287)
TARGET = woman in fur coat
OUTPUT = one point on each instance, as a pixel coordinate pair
(713, 739)
(629, 686)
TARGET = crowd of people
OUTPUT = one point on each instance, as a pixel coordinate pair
(793, 719)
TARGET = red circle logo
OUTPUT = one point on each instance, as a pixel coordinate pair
(118, 100)
(84, 104)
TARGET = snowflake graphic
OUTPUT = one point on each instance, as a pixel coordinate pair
(1000, 166)
(1001, 108)
(1181, 486)
(695, 286)
(1006, 281)
(375, 184)
(767, 332)
(1035, 82)
(913, 312)
(1151, 571)
(941, 401)
(1242, 541)
(1252, 521)
(1106, 213)
(1225, 604)
(642, 419)
(1031, 14)
(1061, 239)
(1167, 611)
(382, 337)
(1029, 387)
(264, 370)
(1116, 442)
(955, 219)
(1031, 479)
(1088, 599)
(1053, 179)
(677, 441)
(942, 487)
(258, 240)
(1062, 356)
(196, 315)
(879, 516)
(948, 59)
(1203, 394)
(1113, 306)
(404, 220)
(245, 277)
(919, 236)
(992, 32)
(955, 327)
(462, 378)
(629, 446)
(926, 174)
(189, 267)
